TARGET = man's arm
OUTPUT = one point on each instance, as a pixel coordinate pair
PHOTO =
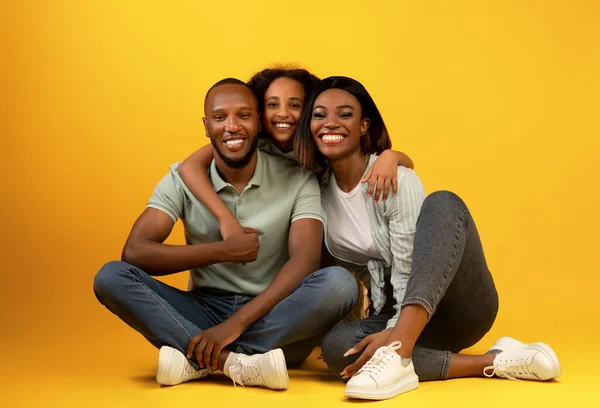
(145, 249)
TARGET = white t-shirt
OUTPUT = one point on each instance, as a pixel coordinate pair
(348, 225)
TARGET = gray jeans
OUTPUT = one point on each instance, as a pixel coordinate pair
(449, 277)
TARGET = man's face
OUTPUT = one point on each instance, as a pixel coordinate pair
(232, 123)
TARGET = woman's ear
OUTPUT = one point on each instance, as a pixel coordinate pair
(364, 126)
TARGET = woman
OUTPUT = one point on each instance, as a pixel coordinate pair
(421, 258)
(280, 93)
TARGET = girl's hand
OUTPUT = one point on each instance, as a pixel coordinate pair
(383, 174)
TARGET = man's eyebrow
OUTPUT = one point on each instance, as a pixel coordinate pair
(243, 107)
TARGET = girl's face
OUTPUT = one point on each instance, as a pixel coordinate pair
(336, 124)
(284, 100)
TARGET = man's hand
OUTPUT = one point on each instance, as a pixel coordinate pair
(242, 245)
(372, 343)
(210, 342)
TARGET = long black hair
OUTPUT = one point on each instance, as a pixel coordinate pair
(375, 141)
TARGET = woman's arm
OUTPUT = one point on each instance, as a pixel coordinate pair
(193, 172)
(383, 173)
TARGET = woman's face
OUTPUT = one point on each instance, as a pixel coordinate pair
(336, 123)
(284, 100)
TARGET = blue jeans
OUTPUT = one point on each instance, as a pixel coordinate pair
(168, 316)
(449, 277)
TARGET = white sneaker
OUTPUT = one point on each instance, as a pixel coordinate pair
(174, 368)
(520, 361)
(265, 370)
(384, 376)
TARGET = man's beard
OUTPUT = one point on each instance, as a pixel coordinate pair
(239, 163)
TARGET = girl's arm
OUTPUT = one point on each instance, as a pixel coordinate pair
(383, 173)
(194, 174)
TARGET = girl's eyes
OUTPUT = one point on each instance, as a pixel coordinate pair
(273, 105)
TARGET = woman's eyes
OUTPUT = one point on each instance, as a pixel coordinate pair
(321, 115)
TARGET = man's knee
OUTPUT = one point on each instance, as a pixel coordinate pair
(339, 285)
(108, 278)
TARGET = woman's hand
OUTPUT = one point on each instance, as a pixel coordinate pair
(369, 344)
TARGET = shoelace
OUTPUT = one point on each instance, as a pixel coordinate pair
(380, 359)
(245, 372)
(509, 369)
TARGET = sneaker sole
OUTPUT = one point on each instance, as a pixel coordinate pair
(400, 387)
(163, 373)
(277, 360)
(547, 351)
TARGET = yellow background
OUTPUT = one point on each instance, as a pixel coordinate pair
(497, 101)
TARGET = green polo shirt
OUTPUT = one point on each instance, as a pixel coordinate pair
(278, 194)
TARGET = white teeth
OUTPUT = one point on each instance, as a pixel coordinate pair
(234, 142)
(332, 138)
(283, 125)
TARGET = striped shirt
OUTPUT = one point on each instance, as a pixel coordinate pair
(393, 224)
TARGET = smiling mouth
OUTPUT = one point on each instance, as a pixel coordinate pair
(283, 125)
(332, 138)
(234, 142)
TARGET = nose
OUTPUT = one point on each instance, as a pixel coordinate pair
(282, 112)
(331, 122)
(232, 124)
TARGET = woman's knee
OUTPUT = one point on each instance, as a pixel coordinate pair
(445, 201)
(339, 340)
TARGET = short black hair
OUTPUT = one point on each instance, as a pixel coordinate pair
(227, 81)
(260, 82)
(375, 141)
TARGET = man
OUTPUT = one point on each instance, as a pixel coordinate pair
(252, 293)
